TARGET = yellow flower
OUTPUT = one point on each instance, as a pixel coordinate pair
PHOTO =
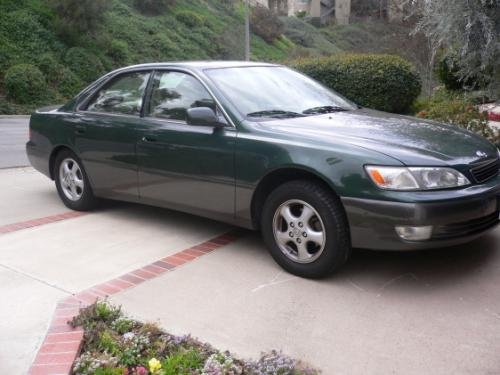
(154, 366)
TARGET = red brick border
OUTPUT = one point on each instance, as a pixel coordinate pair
(40, 221)
(62, 342)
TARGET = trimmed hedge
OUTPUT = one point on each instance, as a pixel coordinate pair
(25, 84)
(384, 82)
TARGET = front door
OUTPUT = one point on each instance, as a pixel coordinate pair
(185, 167)
(106, 133)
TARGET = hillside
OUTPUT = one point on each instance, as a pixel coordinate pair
(30, 33)
(192, 29)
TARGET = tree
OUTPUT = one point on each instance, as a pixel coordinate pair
(76, 16)
(468, 29)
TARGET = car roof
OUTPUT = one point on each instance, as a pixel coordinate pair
(201, 65)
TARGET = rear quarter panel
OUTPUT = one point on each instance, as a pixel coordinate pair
(49, 129)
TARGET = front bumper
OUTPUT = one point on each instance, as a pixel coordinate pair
(466, 215)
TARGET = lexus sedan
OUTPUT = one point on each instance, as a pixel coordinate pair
(264, 147)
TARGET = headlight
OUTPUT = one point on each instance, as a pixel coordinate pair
(416, 178)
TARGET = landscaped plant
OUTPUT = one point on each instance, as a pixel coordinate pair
(384, 82)
(456, 109)
(25, 83)
(116, 345)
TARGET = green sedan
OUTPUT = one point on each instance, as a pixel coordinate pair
(264, 147)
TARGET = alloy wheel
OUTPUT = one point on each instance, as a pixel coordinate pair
(299, 231)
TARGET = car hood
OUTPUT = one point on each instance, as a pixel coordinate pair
(411, 140)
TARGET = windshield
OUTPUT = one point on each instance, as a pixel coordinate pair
(276, 92)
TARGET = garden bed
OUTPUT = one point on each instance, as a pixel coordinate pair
(116, 345)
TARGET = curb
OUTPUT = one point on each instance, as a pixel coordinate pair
(62, 343)
(2, 117)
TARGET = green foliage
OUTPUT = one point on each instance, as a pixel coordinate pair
(456, 109)
(100, 312)
(448, 71)
(119, 52)
(59, 77)
(108, 343)
(383, 82)
(153, 7)
(111, 371)
(77, 16)
(266, 24)
(86, 65)
(6, 108)
(183, 362)
(25, 84)
(190, 18)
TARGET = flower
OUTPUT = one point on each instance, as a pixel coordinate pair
(154, 366)
(141, 370)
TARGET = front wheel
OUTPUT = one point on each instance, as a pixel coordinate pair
(305, 228)
(72, 183)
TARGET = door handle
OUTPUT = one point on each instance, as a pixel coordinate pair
(80, 129)
(148, 139)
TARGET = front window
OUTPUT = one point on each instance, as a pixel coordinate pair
(173, 93)
(276, 92)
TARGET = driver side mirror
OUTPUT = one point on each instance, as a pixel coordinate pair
(203, 116)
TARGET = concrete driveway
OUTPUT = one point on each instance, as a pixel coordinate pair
(430, 312)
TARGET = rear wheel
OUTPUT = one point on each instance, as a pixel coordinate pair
(305, 229)
(72, 182)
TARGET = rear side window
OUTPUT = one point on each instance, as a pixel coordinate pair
(123, 95)
(173, 93)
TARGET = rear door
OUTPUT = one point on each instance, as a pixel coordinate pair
(181, 166)
(107, 130)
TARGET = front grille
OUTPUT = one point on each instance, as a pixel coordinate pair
(465, 228)
(485, 170)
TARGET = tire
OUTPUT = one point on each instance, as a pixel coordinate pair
(315, 240)
(75, 191)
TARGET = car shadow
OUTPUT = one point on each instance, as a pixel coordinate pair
(438, 267)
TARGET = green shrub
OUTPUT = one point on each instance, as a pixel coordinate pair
(6, 108)
(153, 7)
(190, 18)
(59, 77)
(384, 82)
(80, 15)
(448, 73)
(456, 109)
(68, 83)
(119, 52)
(266, 24)
(84, 64)
(183, 362)
(25, 84)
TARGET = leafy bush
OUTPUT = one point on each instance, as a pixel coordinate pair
(60, 78)
(448, 72)
(456, 109)
(153, 7)
(383, 82)
(6, 108)
(266, 24)
(190, 18)
(80, 15)
(25, 84)
(119, 52)
(68, 84)
(84, 64)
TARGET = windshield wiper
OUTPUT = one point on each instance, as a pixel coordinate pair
(324, 109)
(277, 113)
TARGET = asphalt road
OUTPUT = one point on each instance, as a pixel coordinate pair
(13, 137)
